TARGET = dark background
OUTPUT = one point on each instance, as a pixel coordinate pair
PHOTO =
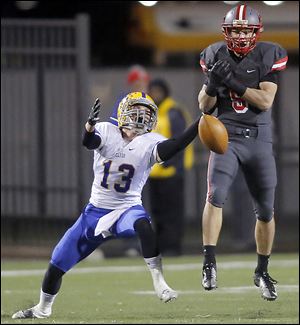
(109, 21)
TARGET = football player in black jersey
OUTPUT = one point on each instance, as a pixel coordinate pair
(241, 84)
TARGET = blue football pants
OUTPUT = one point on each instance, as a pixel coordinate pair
(79, 241)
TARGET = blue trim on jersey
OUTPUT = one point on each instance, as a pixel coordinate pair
(79, 241)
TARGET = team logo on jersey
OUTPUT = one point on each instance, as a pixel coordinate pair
(120, 154)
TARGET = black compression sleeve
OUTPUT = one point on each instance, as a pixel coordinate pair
(52, 280)
(168, 148)
(91, 140)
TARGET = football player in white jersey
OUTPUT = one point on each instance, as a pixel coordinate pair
(123, 157)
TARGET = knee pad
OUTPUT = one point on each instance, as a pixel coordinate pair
(264, 213)
(217, 196)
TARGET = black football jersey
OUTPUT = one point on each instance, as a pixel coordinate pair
(261, 64)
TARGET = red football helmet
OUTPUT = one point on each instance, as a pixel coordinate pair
(238, 19)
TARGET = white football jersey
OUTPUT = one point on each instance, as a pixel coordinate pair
(121, 168)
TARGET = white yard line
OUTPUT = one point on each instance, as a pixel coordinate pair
(141, 268)
(281, 288)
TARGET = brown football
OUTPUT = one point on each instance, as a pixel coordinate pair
(213, 133)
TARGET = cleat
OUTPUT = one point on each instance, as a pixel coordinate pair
(168, 295)
(163, 291)
(29, 313)
(209, 273)
(266, 285)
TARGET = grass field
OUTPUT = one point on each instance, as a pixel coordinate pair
(119, 291)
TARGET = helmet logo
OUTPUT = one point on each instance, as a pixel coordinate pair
(240, 22)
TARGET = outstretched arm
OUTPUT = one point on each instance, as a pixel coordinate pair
(168, 148)
(90, 139)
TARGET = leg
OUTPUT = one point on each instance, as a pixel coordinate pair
(52, 280)
(262, 180)
(264, 236)
(242, 226)
(211, 227)
(153, 259)
(211, 224)
(72, 248)
(136, 221)
(50, 287)
(222, 170)
(167, 210)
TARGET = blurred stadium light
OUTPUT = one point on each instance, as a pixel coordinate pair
(231, 2)
(26, 5)
(273, 3)
(148, 3)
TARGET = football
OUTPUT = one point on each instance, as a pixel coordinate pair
(213, 133)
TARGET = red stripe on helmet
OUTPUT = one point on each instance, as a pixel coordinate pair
(237, 12)
(244, 12)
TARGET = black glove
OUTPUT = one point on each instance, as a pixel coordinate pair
(214, 80)
(93, 117)
(224, 72)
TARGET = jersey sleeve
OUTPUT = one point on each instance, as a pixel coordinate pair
(275, 59)
(202, 61)
(280, 59)
(102, 130)
(271, 77)
(208, 57)
(154, 140)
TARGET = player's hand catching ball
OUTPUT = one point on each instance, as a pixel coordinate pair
(214, 81)
(222, 70)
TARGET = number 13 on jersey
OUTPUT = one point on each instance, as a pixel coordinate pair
(128, 171)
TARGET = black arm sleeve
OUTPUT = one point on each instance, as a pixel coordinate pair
(91, 140)
(168, 148)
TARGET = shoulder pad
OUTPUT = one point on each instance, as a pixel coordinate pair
(274, 56)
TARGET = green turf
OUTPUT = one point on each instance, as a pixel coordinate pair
(127, 297)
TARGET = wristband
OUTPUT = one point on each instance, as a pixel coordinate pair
(211, 90)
